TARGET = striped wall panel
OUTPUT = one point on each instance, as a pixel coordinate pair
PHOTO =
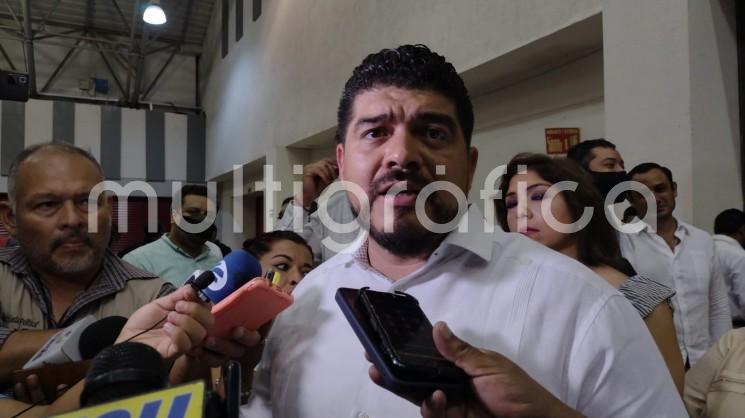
(130, 144)
(12, 133)
(85, 129)
(134, 144)
(39, 114)
(176, 143)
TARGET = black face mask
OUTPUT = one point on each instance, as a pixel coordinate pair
(200, 237)
(604, 182)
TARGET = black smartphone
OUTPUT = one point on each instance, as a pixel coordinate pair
(398, 339)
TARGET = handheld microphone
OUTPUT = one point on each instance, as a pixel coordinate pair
(232, 377)
(121, 371)
(99, 335)
(80, 341)
(235, 270)
(62, 348)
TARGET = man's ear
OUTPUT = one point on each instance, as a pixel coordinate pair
(340, 159)
(473, 159)
(675, 189)
(7, 217)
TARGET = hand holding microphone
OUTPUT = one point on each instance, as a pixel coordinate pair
(184, 318)
(173, 325)
(243, 302)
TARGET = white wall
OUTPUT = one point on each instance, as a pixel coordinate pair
(282, 81)
(513, 119)
(715, 124)
(664, 88)
(671, 96)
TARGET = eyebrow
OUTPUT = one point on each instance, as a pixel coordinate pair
(420, 118)
(530, 188)
(290, 258)
(373, 120)
(48, 195)
(435, 117)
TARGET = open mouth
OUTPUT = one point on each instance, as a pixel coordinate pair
(402, 197)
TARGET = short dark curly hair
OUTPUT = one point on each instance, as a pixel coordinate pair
(582, 152)
(597, 242)
(729, 221)
(408, 67)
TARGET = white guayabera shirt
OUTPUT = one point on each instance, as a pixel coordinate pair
(564, 325)
(731, 258)
(314, 230)
(700, 306)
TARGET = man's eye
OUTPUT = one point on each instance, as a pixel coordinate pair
(46, 205)
(282, 266)
(375, 133)
(436, 134)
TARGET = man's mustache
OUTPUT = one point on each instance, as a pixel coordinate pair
(77, 235)
(414, 181)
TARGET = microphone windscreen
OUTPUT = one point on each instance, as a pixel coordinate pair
(235, 270)
(121, 371)
(99, 335)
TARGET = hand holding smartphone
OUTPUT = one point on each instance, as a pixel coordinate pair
(251, 306)
(398, 339)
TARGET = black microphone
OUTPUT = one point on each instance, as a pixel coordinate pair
(122, 371)
(231, 372)
(228, 406)
(99, 335)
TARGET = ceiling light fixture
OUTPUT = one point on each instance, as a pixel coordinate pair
(154, 14)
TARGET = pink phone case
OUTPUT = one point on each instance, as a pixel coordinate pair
(251, 306)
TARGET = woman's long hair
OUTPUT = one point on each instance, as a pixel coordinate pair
(597, 242)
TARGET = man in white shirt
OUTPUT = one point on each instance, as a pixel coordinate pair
(729, 230)
(324, 237)
(405, 120)
(682, 257)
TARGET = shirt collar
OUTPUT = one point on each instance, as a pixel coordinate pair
(205, 248)
(16, 260)
(681, 230)
(727, 239)
(114, 272)
(474, 238)
(470, 235)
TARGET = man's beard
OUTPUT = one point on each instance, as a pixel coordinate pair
(407, 239)
(70, 267)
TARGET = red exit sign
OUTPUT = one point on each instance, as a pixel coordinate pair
(559, 140)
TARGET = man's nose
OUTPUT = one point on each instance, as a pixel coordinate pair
(403, 150)
(70, 215)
